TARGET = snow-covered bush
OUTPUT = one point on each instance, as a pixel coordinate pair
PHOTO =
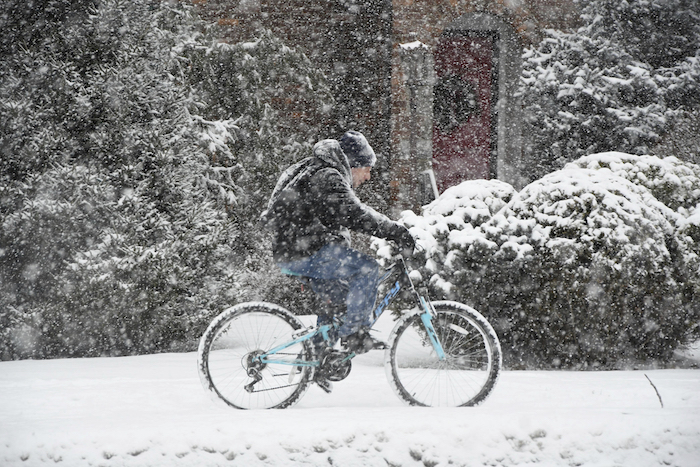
(446, 222)
(671, 181)
(594, 264)
(619, 82)
(132, 173)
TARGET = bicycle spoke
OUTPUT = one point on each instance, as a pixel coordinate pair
(470, 367)
(230, 358)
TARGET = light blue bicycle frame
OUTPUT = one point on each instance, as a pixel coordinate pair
(426, 317)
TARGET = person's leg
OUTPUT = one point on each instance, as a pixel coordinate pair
(360, 273)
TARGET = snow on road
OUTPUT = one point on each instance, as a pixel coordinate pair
(152, 411)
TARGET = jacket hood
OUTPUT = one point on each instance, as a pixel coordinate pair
(330, 153)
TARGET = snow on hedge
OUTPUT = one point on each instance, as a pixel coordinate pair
(593, 264)
(452, 218)
(671, 181)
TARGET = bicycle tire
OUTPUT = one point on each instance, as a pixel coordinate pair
(466, 376)
(239, 332)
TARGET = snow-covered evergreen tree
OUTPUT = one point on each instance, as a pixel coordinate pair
(619, 82)
(137, 156)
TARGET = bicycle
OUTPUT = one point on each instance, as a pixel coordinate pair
(259, 355)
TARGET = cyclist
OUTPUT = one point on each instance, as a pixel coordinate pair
(310, 213)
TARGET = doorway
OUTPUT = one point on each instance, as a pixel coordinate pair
(464, 99)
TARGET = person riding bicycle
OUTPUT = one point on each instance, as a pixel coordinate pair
(310, 213)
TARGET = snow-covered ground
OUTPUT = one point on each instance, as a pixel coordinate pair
(152, 411)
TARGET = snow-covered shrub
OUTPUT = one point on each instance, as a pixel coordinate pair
(446, 222)
(583, 267)
(673, 182)
(619, 82)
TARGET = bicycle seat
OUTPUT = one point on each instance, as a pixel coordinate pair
(305, 280)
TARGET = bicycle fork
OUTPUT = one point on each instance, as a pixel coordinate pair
(427, 314)
(427, 319)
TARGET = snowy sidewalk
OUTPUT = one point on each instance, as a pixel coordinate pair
(152, 411)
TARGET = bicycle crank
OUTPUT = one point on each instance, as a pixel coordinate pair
(335, 366)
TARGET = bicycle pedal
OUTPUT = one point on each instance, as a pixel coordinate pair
(380, 345)
(324, 384)
(363, 343)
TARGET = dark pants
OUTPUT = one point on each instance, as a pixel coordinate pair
(344, 272)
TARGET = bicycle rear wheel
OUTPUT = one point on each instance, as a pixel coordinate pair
(467, 374)
(228, 367)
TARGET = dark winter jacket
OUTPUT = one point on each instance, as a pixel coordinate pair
(314, 204)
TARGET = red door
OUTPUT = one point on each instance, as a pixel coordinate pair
(462, 109)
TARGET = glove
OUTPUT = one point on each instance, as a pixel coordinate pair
(404, 240)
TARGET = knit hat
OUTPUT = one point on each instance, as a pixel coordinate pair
(357, 149)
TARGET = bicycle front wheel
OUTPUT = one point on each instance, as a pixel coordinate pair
(466, 375)
(229, 367)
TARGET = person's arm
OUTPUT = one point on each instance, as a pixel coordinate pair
(339, 206)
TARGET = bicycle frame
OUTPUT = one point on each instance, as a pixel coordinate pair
(398, 272)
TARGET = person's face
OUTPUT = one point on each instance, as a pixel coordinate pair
(360, 175)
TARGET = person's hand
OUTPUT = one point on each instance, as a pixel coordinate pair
(404, 240)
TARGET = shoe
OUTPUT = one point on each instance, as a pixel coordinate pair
(362, 342)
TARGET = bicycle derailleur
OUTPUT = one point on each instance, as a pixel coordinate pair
(253, 367)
